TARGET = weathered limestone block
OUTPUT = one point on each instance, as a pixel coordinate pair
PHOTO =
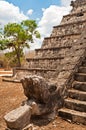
(18, 118)
(43, 93)
(35, 87)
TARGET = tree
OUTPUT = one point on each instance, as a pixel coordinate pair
(17, 36)
(3, 41)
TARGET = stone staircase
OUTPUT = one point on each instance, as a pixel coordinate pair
(75, 105)
(61, 60)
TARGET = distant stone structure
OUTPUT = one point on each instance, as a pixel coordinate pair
(62, 62)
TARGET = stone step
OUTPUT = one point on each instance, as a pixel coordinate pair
(82, 70)
(52, 52)
(38, 71)
(84, 63)
(52, 48)
(60, 41)
(80, 77)
(59, 52)
(79, 85)
(77, 22)
(46, 63)
(63, 35)
(75, 104)
(34, 69)
(44, 58)
(77, 16)
(76, 94)
(72, 115)
(19, 73)
(74, 14)
(67, 28)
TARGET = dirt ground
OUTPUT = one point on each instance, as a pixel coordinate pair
(11, 96)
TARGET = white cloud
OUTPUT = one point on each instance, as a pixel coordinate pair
(37, 19)
(29, 12)
(10, 13)
(36, 44)
(51, 16)
(43, 9)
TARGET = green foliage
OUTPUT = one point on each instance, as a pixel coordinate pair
(3, 44)
(30, 26)
(37, 34)
(17, 36)
(16, 31)
(3, 41)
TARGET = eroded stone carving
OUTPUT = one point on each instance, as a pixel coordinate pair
(40, 93)
(41, 99)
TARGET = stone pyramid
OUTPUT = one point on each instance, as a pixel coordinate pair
(62, 60)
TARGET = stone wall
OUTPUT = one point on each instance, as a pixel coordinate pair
(70, 28)
(47, 74)
(53, 63)
(54, 52)
(80, 16)
(65, 40)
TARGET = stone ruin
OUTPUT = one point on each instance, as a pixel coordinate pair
(55, 80)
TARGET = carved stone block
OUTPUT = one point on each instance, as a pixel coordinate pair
(18, 118)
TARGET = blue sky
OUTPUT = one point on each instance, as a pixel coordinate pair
(35, 5)
(47, 13)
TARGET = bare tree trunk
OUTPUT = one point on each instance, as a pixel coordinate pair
(18, 56)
